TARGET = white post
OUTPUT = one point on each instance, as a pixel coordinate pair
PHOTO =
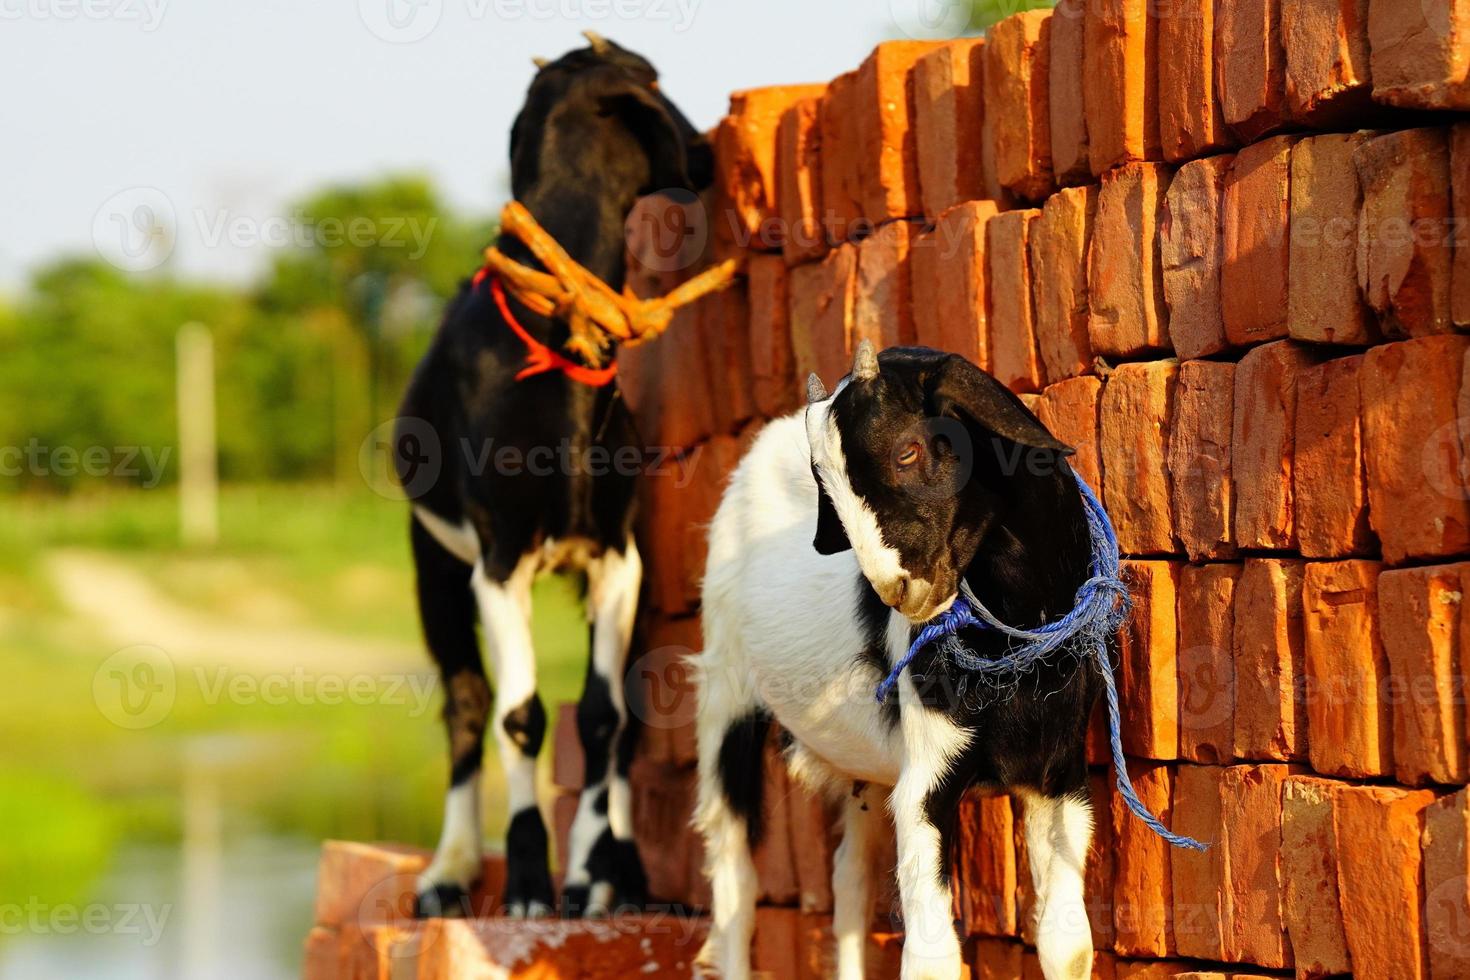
(198, 454)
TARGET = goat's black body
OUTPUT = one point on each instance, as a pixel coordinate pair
(539, 470)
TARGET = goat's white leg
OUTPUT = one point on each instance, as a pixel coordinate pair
(731, 730)
(603, 864)
(520, 728)
(1060, 828)
(931, 947)
(852, 881)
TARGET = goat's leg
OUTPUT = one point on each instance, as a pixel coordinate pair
(1059, 831)
(852, 881)
(931, 947)
(520, 728)
(447, 611)
(732, 738)
(603, 867)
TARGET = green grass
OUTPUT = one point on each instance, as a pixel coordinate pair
(320, 558)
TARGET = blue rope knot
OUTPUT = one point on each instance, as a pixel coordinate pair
(1102, 606)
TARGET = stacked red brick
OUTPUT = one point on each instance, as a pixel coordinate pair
(1147, 217)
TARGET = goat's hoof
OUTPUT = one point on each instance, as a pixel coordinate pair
(442, 901)
(528, 893)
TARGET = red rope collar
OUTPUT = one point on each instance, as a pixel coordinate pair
(539, 357)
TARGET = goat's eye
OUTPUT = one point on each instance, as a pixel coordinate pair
(910, 454)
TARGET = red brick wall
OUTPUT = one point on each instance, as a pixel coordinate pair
(1293, 506)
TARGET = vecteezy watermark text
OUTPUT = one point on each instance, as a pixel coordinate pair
(146, 13)
(143, 463)
(36, 918)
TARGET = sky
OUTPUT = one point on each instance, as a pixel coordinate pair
(215, 114)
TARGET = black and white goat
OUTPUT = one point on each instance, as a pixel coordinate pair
(506, 497)
(918, 471)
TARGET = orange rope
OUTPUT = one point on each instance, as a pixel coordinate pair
(598, 317)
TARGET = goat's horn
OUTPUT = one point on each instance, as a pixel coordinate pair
(540, 62)
(815, 392)
(600, 44)
(865, 362)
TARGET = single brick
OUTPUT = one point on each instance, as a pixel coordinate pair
(948, 118)
(799, 181)
(1327, 73)
(1200, 908)
(1017, 100)
(963, 300)
(1261, 444)
(661, 691)
(1412, 449)
(812, 845)
(1120, 38)
(1329, 488)
(1253, 930)
(821, 313)
(1420, 53)
(1379, 879)
(840, 142)
(1254, 279)
(1097, 885)
(882, 308)
(1059, 240)
(1447, 886)
(1137, 405)
(1310, 907)
(1149, 688)
(1192, 250)
(1323, 301)
(567, 764)
(924, 288)
(1125, 282)
(745, 159)
(1349, 725)
(1190, 123)
(1014, 358)
(888, 158)
(1404, 233)
(1460, 201)
(996, 959)
(1250, 67)
(775, 385)
(1066, 81)
(725, 321)
(1199, 469)
(1143, 891)
(1270, 706)
(1424, 633)
(1069, 410)
(988, 867)
(775, 862)
(1206, 618)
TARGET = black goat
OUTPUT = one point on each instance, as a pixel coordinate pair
(514, 494)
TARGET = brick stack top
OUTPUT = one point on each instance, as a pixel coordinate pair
(1221, 249)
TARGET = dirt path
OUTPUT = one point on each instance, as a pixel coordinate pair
(127, 609)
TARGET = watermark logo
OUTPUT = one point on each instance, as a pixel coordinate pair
(661, 688)
(400, 21)
(134, 229)
(36, 918)
(401, 459)
(135, 688)
(923, 19)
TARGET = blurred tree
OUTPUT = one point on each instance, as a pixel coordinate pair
(87, 354)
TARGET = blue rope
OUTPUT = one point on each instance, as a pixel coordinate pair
(1101, 608)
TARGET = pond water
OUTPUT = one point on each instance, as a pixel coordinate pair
(236, 911)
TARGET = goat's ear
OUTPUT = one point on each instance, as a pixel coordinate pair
(653, 126)
(831, 537)
(964, 391)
